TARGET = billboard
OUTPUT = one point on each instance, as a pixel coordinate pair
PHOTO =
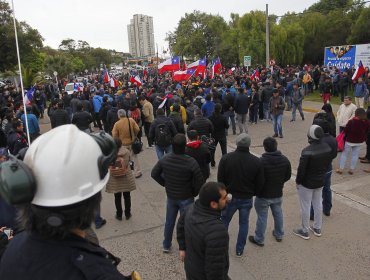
(346, 56)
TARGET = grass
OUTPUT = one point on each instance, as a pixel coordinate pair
(315, 96)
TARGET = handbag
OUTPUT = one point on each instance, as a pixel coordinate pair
(136, 145)
(341, 141)
(210, 142)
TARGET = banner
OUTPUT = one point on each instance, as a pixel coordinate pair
(346, 56)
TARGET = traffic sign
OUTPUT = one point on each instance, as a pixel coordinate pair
(55, 73)
(247, 61)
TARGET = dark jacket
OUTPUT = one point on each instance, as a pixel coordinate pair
(241, 105)
(356, 130)
(280, 106)
(228, 103)
(313, 165)
(179, 174)
(161, 120)
(175, 117)
(266, 94)
(72, 258)
(200, 152)
(82, 120)
(59, 117)
(112, 117)
(241, 172)
(277, 171)
(203, 236)
(220, 124)
(202, 125)
(16, 141)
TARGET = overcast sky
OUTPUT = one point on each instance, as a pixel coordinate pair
(103, 23)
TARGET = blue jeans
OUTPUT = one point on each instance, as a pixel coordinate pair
(262, 206)
(173, 207)
(162, 150)
(288, 100)
(231, 115)
(344, 155)
(277, 124)
(244, 206)
(296, 106)
(266, 111)
(326, 193)
(98, 219)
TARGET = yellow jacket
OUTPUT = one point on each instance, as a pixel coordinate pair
(121, 131)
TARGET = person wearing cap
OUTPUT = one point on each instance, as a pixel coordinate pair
(202, 237)
(313, 166)
(242, 173)
(277, 106)
(16, 139)
(56, 210)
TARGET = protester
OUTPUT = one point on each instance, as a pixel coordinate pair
(297, 98)
(277, 106)
(277, 171)
(147, 117)
(345, 112)
(242, 174)
(202, 237)
(313, 165)
(241, 109)
(180, 175)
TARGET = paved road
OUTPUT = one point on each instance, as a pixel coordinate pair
(343, 251)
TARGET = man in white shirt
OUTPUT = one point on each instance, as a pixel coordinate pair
(345, 112)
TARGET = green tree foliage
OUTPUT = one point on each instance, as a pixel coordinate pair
(294, 38)
(29, 40)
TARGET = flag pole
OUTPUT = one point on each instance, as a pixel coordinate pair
(20, 75)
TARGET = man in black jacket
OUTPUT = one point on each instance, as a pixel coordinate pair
(265, 97)
(241, 109)
(199, 151)
(228, 109)
(202, 125)
(162, 130)
(182, 179)
(242, 174)
(59, 116)
(332, 142)
(202, 237)
(82, 119)
(175, 117)
(312, 168)
(277, 170)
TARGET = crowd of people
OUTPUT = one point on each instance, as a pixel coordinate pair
(184, 123)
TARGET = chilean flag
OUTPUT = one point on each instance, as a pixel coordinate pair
(359, 71)
(216, 67)
(255, 75)
(171, 64)
(77, 87)
(113, 82)
(136, 80)
(199, 66)
(184, 67)
(183, 75)
(106, 76)
(28, 96)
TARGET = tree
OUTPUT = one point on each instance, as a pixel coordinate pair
(29, 39)
(360, 31)
(68, 45)
(197, 35)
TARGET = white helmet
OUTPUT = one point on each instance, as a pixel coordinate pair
(66, 164)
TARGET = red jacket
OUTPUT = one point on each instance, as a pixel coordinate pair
(356, 130)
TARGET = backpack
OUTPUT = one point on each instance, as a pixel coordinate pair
(118, 168)
(162, 135)
(136, 116)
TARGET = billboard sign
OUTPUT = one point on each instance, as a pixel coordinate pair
(346, 56)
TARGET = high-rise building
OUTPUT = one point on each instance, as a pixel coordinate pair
(141, 36)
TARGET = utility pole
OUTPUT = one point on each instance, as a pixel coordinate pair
(267, 37)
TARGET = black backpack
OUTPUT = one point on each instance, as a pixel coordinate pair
(162, 135)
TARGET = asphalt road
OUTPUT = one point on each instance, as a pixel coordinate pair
(342, 252)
